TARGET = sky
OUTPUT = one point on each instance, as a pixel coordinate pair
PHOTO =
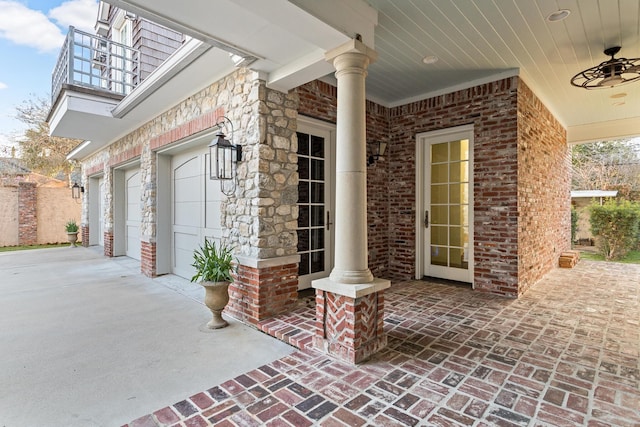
(31, 36)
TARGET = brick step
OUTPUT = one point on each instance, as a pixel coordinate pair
(569, 259)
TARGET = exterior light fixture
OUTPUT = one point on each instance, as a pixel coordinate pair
(377, 150)
(558, 15)
(614, 72)
(224, 157)
(76, 190)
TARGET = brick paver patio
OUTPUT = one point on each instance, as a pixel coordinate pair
(565, 354)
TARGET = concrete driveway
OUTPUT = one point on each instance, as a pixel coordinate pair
(87, 340)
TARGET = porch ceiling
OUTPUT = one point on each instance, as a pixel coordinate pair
(474, 42)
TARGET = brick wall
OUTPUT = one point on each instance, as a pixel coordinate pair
(27, 213)
(261, 293)
(318, 100)
(521, 216)
(544, 183)
(491, 108)
(148, 258)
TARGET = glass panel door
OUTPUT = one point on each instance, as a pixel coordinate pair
(447, 213)
(314, 215)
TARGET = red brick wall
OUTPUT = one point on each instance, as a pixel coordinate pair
(84, 232)
(544, 183)
(108, 243)
(516, 142)
(491, 108)
(319, 100)
(261, 293)
(27, 213)
(148, 258)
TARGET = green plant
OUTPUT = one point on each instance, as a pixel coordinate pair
(574, 223)
(615, 226)
(71, 226)
(213, 264)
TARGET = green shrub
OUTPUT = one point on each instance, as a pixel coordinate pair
(574, 223)
(213, 264)
(71, 226)
(615, 226)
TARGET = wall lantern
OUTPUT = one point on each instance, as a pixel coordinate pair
(377, 149)
(224, 157)
(76, 190)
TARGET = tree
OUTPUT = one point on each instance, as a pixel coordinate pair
(607, 165)
(41, 152)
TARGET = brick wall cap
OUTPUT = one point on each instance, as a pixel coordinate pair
(349, 289)
(267, 262)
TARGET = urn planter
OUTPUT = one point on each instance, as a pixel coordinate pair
(72, 238)
(216, 298)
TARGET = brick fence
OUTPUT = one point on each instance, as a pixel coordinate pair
(31, 215)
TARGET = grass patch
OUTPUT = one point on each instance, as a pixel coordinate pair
(27, 247)
(632, 257)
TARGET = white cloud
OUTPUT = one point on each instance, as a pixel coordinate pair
(3, 86)
(81, 14)
(30, 27)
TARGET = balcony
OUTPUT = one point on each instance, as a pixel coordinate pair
(90, 79)
(95, 63)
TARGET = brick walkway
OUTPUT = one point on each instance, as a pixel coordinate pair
(566, 354)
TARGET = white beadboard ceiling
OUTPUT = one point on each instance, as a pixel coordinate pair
(475, 41)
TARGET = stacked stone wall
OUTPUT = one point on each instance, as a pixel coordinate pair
(27, 213)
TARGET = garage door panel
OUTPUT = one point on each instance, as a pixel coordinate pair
(184, 246)
(133, 213)
(187, 189)
(187, 213)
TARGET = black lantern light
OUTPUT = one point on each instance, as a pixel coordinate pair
(224, 157)
(377, 150)
(76, 190)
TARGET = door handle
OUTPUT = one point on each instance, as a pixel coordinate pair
(426, 219)
(329, 223)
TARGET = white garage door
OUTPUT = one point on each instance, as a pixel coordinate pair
(133, 213)
(101, 212)
(196, 208)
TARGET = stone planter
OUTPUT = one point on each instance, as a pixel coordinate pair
(216, 298)
(72, 237)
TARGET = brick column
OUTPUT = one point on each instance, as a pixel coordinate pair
(350, 303)
(84, 232)
(148, 258)
(108, 243)
(27, 213)
(263, 288)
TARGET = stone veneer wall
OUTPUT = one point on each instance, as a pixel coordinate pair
(544, 184)
(318, 100)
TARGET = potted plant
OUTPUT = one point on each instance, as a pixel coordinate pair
(72, 232)
(214, 266)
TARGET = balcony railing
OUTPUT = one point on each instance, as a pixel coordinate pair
(94, 62)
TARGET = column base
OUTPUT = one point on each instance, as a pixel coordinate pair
(350, 319)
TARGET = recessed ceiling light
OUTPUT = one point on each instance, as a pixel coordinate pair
(558, 15)
(618, 103)
(618, 95)
(431, 59)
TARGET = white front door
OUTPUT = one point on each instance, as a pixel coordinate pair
(315, 201)
(447, 203)
(195, 208)
(133, 213)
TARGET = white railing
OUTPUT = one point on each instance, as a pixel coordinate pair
(94, 62)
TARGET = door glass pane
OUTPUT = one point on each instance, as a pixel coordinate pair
(311, 203)
(303, 216)
(439, 255)
(439, 153)
(439, 235)
(439, 173)
(449, 209)
(439, 214)
(439, 194)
